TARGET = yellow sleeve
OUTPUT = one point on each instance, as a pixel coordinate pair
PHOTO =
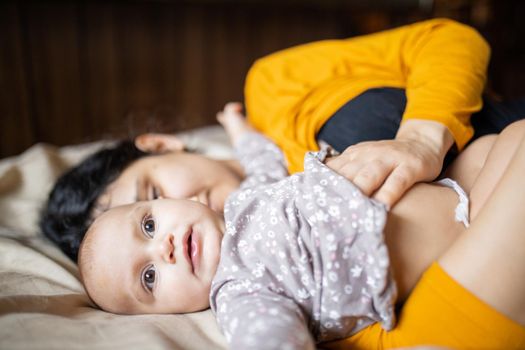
(446, 65)
(290, 94)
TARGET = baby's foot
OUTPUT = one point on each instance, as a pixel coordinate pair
(233, 120)
(233, 107)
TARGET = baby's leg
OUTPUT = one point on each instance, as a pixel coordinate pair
(234, 122)
(489, 258)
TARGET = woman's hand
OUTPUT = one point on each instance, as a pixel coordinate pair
(233, 121)
(387, 169)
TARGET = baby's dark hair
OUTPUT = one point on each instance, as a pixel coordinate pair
(68, 211)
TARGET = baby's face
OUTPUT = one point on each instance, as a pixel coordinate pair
(152, 257)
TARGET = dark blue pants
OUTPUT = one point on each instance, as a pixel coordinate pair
(376, 115)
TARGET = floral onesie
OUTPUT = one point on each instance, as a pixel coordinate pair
(303, 258)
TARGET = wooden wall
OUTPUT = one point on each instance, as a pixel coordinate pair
(72, 72)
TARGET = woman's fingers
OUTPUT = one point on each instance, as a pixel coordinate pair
(344, 166)
(387, 169)
(395, 185)
(371, 176)
(368, 176)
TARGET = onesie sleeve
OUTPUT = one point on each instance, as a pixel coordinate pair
(261, 320)
(263, 162)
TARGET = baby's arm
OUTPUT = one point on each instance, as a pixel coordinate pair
(263, 320)
(262, 160)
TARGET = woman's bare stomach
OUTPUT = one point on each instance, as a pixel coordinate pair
(419, 229)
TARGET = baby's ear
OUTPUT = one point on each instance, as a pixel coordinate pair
(158, 143)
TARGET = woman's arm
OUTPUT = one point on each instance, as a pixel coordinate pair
(441, 64)
(444, 65)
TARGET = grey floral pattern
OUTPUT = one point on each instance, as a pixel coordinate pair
(303, 258)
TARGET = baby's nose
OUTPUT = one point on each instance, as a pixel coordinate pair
(167, 249)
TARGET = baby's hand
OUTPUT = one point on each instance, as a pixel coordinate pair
(234, 121)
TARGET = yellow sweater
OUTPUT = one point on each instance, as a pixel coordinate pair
(442, 64)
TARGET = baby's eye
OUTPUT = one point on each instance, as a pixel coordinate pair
(148, 278)
(148, 226)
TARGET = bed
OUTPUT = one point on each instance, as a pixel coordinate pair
(42, 302)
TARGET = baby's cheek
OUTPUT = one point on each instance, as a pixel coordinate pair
(194, 300)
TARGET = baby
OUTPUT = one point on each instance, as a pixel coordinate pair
(296, 260)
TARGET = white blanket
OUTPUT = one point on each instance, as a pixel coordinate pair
(42, 302)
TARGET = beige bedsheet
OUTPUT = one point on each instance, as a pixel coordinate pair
(42, 303)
